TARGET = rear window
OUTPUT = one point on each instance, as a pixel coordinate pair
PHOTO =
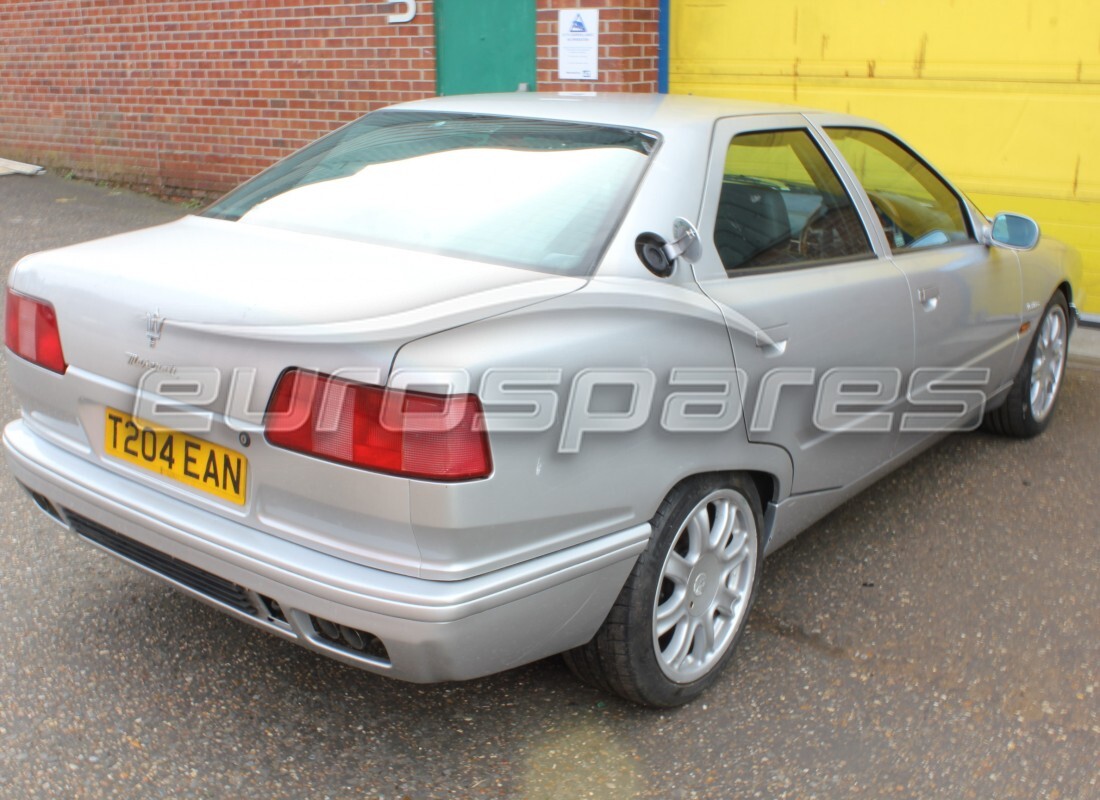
(536, 194)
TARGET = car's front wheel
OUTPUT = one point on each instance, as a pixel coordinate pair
(1030, 403)
(682, 610)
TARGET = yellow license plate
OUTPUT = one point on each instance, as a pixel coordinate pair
(194, 462)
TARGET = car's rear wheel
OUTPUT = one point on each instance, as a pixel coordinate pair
(1030, 403)
(682, 610)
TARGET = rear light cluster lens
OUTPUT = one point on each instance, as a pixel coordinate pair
(417, 435)
(31, 332)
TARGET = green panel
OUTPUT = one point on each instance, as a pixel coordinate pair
(484, 45)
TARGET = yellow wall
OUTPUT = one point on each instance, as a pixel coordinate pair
(1002, 95)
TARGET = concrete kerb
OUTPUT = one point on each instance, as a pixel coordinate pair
(1084, 346)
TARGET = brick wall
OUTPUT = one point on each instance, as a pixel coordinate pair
(189, 97)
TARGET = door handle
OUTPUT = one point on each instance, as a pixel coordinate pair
(773, 341)
(929, 297)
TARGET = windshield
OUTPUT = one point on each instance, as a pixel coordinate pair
(528, 193)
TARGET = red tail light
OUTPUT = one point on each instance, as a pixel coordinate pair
(417, 435)
(31, 332)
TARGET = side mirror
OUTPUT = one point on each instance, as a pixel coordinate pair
(1014, 231)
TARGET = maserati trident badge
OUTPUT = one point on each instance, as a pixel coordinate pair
(154, 325)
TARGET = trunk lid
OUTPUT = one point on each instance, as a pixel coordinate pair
(209, 293)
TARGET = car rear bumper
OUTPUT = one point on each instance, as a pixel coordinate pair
(405, 627)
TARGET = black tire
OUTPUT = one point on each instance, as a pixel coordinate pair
(1029, 406)
(627, 656)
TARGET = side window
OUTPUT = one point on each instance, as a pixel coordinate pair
(782, 205)
(916, 208)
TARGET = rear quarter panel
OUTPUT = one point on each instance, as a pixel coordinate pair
(539, 498)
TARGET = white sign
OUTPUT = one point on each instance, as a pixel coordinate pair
(578, 44)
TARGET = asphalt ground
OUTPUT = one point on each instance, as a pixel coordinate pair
(937, 637)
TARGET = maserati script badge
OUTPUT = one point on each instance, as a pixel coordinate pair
(154, 325)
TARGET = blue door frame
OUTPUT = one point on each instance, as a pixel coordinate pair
(662, 46)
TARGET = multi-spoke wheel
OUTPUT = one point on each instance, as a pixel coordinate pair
(681, 612)
(705, 586)
(1047, 362)
(1027, 409)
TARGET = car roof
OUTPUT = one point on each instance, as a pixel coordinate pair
(657, 112)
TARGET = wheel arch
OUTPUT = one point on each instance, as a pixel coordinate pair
(1067, 291)
(768, 487)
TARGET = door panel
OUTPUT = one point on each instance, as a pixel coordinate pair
(484, 45)
(795, 316)
(965, 296)
(966, 302)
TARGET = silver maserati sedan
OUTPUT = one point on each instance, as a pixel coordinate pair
(473, 381)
